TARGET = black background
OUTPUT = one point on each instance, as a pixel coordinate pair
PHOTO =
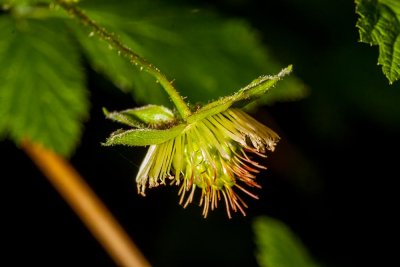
(332, 178)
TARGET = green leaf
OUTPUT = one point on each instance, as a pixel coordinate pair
(42, 94)
(121, 72)
(277, 246)
(379, 24)
(143, 137)
(150, 115)
(12, 3)
(255, 90)
(207, 56)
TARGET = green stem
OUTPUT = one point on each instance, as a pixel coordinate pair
(134, 58)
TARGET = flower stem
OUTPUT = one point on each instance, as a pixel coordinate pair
(113, 41)
(86, 205)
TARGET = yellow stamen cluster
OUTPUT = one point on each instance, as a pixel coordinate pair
(210, 155)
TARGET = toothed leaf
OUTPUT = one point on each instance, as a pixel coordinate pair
(379, 24)
(42, 88)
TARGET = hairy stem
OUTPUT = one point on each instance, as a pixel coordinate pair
(87, 206)
(134, 58)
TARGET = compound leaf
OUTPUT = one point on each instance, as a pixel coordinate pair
(379, 24)
(42, 94)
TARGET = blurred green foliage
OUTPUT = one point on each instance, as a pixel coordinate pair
(42, 95)
(379, 24)
(277, 246)
(206, 55)
(42, 90)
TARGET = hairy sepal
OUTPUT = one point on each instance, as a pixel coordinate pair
(142, 117)
(144, 137)
(244, 96)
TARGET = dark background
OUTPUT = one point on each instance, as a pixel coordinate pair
(332, 178)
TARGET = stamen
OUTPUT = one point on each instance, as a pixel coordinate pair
(210, 154)
(182, 191)
(241, 201)
(239, 207)
(229, 195)
(206, 204)
(226, 205)
(245, 168)
(247, 159)
(247, 192)
(190, 198)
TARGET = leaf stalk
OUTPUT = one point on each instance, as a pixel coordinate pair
(135, 59)
(86, 205)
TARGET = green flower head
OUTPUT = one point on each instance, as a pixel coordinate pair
(212, 150)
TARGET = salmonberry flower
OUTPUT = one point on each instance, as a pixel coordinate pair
(212, 150)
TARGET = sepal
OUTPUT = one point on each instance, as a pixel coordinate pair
(143, 137)
(244, 96)
(152, 116)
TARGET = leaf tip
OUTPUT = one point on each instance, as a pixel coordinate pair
(105, 144)
(108, 142)
(286, 71)
(105, 112)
